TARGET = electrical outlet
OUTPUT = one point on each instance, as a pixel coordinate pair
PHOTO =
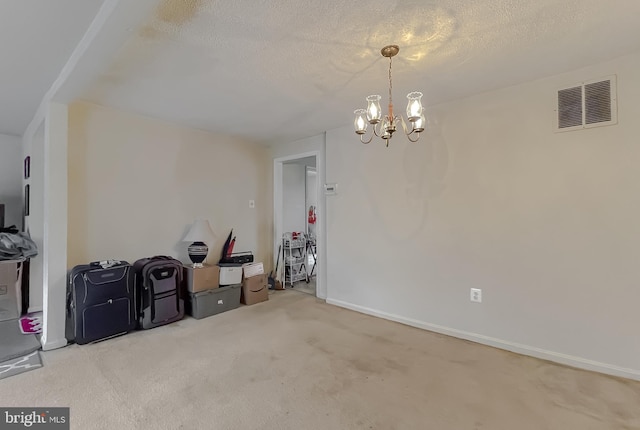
(476, 295)
(252, 204)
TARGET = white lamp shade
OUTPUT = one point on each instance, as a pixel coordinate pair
(200, 231)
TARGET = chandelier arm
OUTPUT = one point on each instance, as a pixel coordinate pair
(375, 133)
(412, 140)
(366, 141)
(404, 126)
(407, 132)
(377, 128)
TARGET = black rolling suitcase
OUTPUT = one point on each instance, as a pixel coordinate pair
(100, 301)
(159, 295)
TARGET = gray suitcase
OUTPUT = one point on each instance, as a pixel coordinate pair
(214, 301)
(159, 291)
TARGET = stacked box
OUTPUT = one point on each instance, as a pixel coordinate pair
(202, 278)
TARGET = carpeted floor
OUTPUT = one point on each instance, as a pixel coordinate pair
(308, 288)
(296, 363)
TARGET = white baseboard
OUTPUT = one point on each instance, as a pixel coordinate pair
(569, 360)
(33, 309)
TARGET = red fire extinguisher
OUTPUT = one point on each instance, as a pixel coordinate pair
(312, 214)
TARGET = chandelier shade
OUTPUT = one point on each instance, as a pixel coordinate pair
(361, 121)
(414, 107)
(374, 112)
(385, 125)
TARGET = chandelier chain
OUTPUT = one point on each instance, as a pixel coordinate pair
(390, 84)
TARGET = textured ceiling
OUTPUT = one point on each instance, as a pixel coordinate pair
(273, 71)
(36, 39)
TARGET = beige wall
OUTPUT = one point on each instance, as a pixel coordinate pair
(546, 224)
(136, 184)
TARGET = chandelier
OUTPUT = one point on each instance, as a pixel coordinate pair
(384, 127)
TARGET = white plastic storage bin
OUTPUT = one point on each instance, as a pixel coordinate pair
(230, 275)
(10, 289)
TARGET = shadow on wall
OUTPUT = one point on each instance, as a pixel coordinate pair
(77, 186)
(179, 250)
(414, 177)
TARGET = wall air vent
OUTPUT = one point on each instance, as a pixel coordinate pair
(585, 105)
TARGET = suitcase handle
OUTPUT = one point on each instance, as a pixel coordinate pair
(105, 264)
(166, 273)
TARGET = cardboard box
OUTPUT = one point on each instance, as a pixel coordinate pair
(201, 278)
(255, 289)
(10, 289)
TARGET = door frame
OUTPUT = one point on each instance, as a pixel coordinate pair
(308, 169)
(278, 228)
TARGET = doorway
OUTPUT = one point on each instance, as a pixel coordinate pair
(298, 221)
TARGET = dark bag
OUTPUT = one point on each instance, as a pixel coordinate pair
(11, 229)
(100, 301)
(159, 291)
(237, 258)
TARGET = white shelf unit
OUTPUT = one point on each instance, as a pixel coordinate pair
(294, 255)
